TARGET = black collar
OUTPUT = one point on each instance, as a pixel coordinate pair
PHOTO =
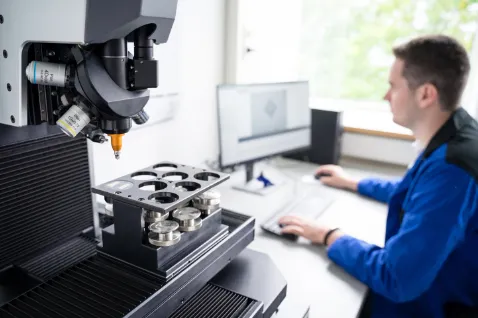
(457, 120)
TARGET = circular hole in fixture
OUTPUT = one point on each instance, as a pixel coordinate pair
(144, 175)
(186, 186)
(163, 197)
(165, 167)
(153, 186)
(175, 176)
(12, 119)
(1, 19)
(5, 53)
(207, 176)
(9, 87)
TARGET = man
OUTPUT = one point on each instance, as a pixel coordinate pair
(429, 262)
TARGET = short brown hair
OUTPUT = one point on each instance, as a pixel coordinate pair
(439, 60)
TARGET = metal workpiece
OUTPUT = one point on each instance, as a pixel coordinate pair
(150, 217)
(208, 202)
(210, 197)
(164, 233)
(164, 187)
(188, 218)
(154, 216)
(207, 210)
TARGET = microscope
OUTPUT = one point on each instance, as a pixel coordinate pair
(67, 63)
(165, 247)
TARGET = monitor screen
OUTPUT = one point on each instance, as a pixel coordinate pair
(262, 120)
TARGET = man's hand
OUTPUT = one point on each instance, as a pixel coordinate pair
(309, 229)
(337, 178)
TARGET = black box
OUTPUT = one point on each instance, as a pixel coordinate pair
(326, 138)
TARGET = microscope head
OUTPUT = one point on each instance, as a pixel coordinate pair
(72, 67)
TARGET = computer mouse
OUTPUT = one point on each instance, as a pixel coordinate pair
(288, 236)
(321, 174)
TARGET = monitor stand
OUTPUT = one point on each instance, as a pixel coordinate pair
(260, 185)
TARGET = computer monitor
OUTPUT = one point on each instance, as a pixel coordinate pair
(258, 121)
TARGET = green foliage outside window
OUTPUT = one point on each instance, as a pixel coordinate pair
(346, 45)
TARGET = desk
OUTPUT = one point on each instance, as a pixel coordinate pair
(327, 288)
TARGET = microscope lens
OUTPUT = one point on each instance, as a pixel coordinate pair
(73, 121)
(44, 73)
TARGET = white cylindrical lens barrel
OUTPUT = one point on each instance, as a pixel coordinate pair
(44, 73)
(73, 121)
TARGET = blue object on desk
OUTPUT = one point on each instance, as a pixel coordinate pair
(264, 180)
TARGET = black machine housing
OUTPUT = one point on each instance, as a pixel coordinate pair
(53, 265)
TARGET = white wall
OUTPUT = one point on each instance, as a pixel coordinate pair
(191, 136)
(395, 151)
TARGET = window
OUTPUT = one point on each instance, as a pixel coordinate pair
(346, 44)
(343, 47)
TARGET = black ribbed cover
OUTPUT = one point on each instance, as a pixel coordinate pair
(213, 302)
(45, 192)
(51, 263)
(96, 287)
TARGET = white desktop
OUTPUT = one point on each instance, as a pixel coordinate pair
(258, 121)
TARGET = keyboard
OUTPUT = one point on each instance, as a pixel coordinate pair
(310, 206)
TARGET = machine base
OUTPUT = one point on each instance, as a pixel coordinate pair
(74, 280)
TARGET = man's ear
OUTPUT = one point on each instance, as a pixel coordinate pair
(426, 95)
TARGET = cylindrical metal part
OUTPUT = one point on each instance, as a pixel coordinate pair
(210, 197)
(154, 216)
(165, 237)
(188, 218)
(164, 233)
(189, 223)
(151, 217)
(45, 73)
(141, 118)
(207, 209)
(74, 120)
(164, 227)
(208, 202)
(158, 240)
(115, 61)
(143, 46)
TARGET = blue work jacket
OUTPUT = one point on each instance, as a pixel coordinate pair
(430, 256)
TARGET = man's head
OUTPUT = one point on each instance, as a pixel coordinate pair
(428, 76)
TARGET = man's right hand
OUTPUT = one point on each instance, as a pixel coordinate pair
(337, 178)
